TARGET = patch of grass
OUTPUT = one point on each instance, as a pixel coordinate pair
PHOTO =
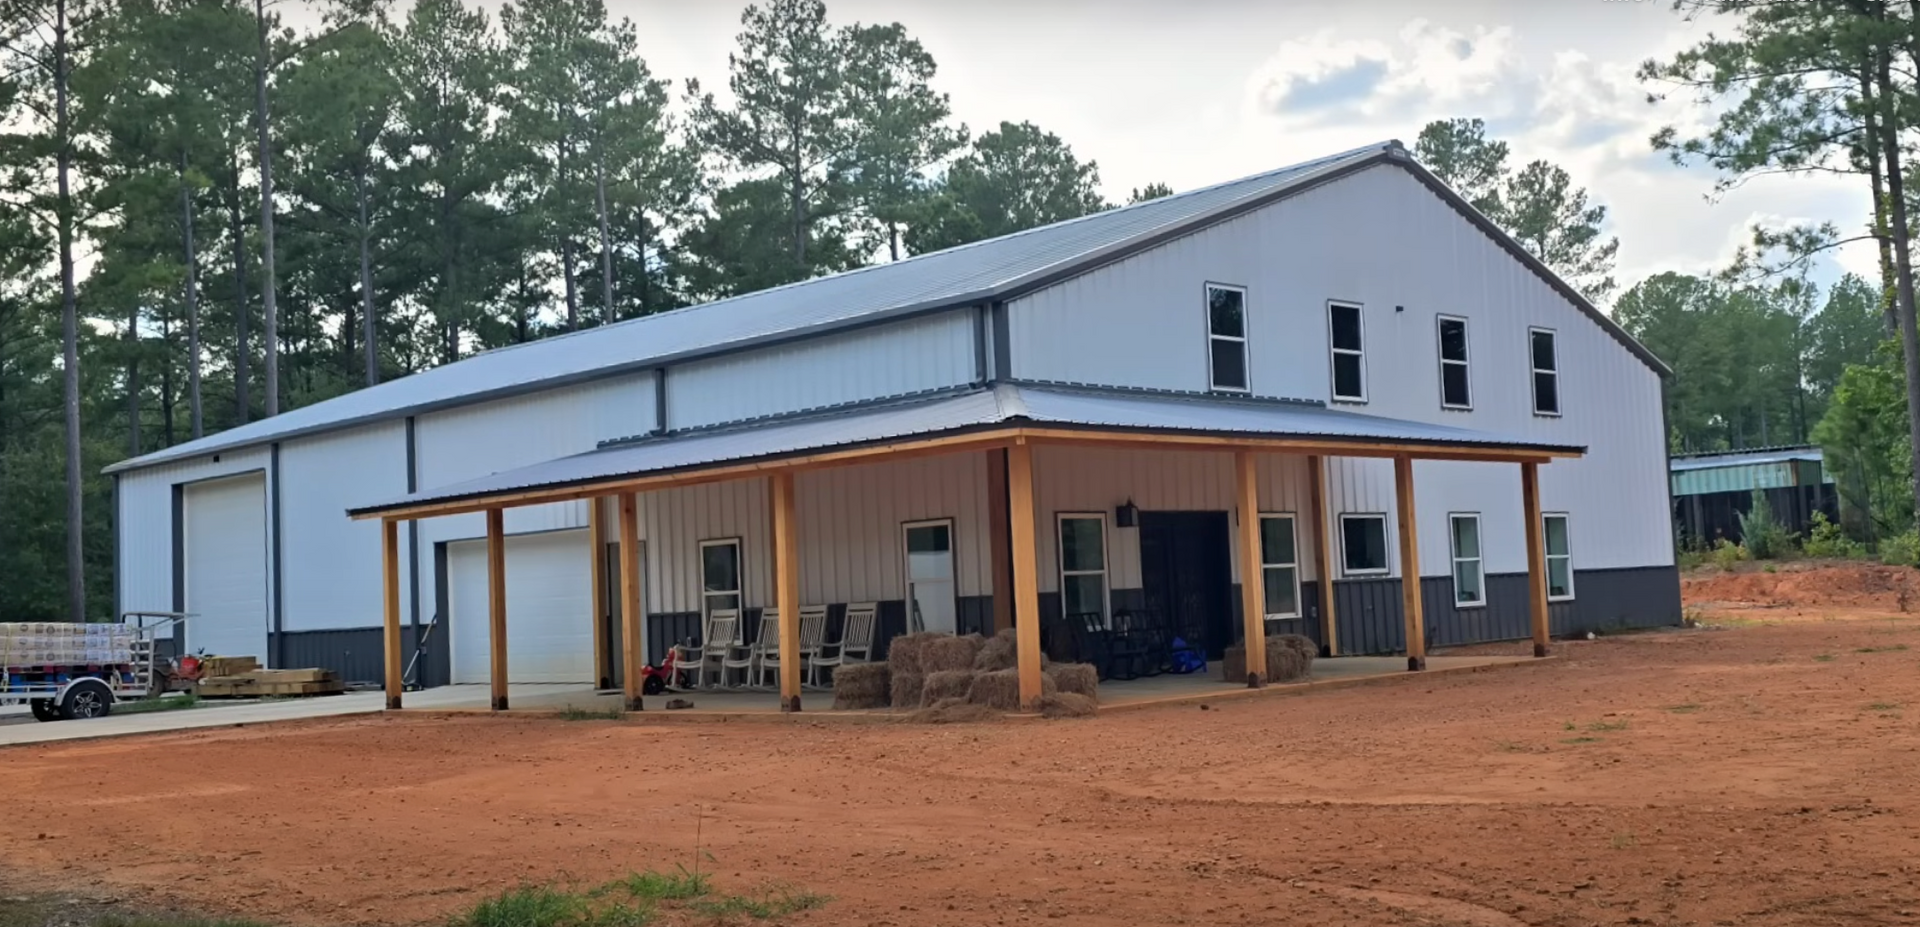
(1622, 841)
(1883, 706)
(1891, 648)
(150, 705)
(773, 904)
(1570, 726)
(533, 906)
(634, 901)
(1823, 658)
(1580, 740)
(660, 886)
(1619, 725)
(1686, 709)
(571, 713)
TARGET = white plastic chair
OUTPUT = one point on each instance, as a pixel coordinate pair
(717, 643)
(813, 629)
(750, 659)
(855, 644)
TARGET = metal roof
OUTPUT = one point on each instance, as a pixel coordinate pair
(994, 269)
(1763, 455)
(957, 412)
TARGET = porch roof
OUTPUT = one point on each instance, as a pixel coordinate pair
(955, 420)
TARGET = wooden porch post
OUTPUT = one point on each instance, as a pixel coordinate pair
(1410, 565)
(390, 590)
(631, 602)
(1323, 555)
(1025, 568)
(1536, 556)
(597, 564)
(997, 540)
(1253, 590)
(497, 603)
(786, 587)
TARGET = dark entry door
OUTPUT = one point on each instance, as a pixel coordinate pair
(1185, 572)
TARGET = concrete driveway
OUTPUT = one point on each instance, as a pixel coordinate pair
(18, 727)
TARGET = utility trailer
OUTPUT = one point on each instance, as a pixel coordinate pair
(69, 671)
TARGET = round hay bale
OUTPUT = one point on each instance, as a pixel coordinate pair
(903, 653)
(1000, 689)
(1302, 643)
(998, 652)
(946, 684)
(946, 652)
(858, 686)
(1285, 664)
(907, 688)
(1079, 678)
(1067, 705)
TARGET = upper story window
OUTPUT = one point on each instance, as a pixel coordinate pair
(1456, 391)
(1227, 337)
(1544, 347)
(1349, 355)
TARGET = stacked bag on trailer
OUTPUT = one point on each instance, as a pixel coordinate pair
(52, 643)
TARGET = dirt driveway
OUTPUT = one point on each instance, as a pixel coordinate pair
(1760, 775)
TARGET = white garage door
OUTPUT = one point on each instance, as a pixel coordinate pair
(549, 609)
(226, 566)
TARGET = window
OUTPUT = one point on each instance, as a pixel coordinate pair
(719, 574)
(1227, 337)
(1559, 556)
(930, 595)
(1083, 565)
(1279, 566)
(1455, 390)
(1546, 372)
(1469, 577)
(1349, 363)
(1363, 544)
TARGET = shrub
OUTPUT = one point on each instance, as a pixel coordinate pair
(1827, 539)
(1901, 549)
(1764, 537)
(1726, 554)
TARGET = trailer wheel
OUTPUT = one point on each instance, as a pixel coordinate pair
(43, 709)
(87, 698)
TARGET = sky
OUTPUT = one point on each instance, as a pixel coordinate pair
(1194, 92)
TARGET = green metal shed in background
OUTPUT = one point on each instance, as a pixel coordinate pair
(1711, 491)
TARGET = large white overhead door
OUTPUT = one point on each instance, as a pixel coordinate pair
(549, 609)
(225, 552)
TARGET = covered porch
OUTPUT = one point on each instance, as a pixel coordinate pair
(1028, 445)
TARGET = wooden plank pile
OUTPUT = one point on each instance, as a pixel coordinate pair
(269, 683)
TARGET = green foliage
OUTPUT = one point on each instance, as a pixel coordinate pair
(1864, 439)
(1902, 549)
(1764, 537)
(1825, 538)
(634, 901)
(1015, 177)
(1726, 554)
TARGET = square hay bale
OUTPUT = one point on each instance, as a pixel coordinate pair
(1001, 689)
(1068, 705)
(1289, 658)
(907, 688)
(1301, 643)
(903, 652)
(946, 684)
(947, 652)
(952, 711)
(858, 686)
(1078, 678)
(998, 652)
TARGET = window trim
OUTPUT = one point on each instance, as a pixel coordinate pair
(739, 579)
(1293, 527)
(1386, 536)
(1479, 559)
(1245, 338)
(1466, 363)
(1106, 562)
(1534, 372)
(1333, 379)
(906, 565)
(1547, 558)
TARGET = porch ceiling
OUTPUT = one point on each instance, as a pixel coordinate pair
(953, 421)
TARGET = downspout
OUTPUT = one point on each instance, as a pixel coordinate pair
(278, 647)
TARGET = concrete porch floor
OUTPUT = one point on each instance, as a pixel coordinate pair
(722, 704)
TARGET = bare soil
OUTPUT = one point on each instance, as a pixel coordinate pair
(1766, 773)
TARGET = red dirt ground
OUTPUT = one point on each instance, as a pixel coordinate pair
(1766, 774)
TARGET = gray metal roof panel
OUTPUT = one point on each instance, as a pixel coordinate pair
(950, 413)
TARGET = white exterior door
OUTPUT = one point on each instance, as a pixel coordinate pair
(549, 609)
(931, 603)
(225, 554)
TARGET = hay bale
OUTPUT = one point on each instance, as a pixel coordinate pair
(997, 653)
(858, 686)
(1290, 657)
(952, 711)
(906, 689)
(1302, 643)
(1068, 705)
(1078, 678)
(903, 652)
(1001, 689)
(946, 684)
(945, 652)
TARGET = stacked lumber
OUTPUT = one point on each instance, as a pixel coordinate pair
(228, 666)
(266, 683)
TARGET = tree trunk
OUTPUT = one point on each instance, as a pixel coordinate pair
(133, 381)
(606, 240)
(242, 312)
(69, 320)
(166, 380)
(371, 335)
(1877, 177)
(1902, 261)
(193, 306)
(893, 240)
(572, 286)
(645, 295)
(520, 305)
(268, 310)
(798, 193)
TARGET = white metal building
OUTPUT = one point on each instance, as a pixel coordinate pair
(1350, 311)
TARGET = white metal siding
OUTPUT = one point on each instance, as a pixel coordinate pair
(890, 360)
(330, 564)
(145, 561)
(225, 548)
(549, 609)
(1381, 239)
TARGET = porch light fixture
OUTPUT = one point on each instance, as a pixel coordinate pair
(1126, 515)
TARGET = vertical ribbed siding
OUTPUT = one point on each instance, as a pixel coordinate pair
(852, 546)
(144, 561)
(330, 563)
